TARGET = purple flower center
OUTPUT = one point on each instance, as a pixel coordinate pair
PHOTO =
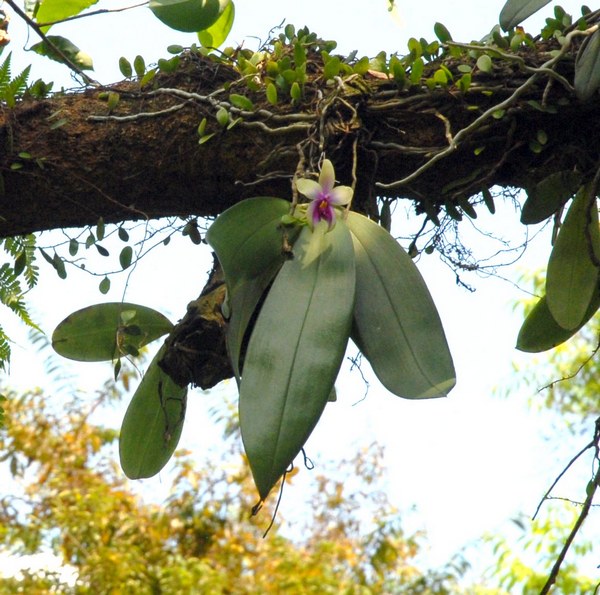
(323, 210)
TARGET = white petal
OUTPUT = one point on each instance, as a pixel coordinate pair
(341, 195)
(327, 175)
(308, 188)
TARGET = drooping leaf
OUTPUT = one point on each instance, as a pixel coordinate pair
(396, 323)
(572, 276)
(216, 34)
(515, 12)
(295, 352)
(546, 197)
(541, 332)
(99, 333)
(188, 15)
(50, 11)
(69, 49)
(152, 424)
(248, 241)
(587, 68)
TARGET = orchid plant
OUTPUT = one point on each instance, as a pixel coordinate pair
(302, 279)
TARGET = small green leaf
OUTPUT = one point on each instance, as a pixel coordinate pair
(102, 250)
(93, 334)
(572, 275)
(484, 63)
(104, 286)
(222, 116)
(73, 247)
(396, 323)
(125, 257)
(241, 102)
(587, 68)
(295, 352)
(123, 235)
(153, 423)
(139, 65)
(515, 12)
(125, 67)
(442, 32)
(59, 266)
(271, 94)
(100, 228)
(488, 200)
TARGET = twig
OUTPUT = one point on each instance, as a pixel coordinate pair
(92, 13)
(591, 491)
(87, 79)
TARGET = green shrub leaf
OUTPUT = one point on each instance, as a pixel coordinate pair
(188, 15)
(96, 333)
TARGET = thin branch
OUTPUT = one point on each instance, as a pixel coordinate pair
(87, 79)
(92, 13)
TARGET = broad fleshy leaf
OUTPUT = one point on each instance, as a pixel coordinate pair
(188, 15)
(217, 33)
(572, 276)
(541, 332)
(587, 68)
(50, 11)
(546, 197)
(248, 241)
(396, 323)
(153, 423)
(515, 12)
(105, 331)
(295, 353)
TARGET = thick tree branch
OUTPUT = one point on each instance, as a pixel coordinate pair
(143, 159)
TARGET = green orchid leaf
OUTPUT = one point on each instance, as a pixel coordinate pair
(587, 68)
(541, 332)
(549, 195)
(248, 241)
(97, 333)
(515, 12)
(217, 33)
(295, 352)
(153, 423)
(572, 276)
(69, 49)
(188, 15)
(396, 323)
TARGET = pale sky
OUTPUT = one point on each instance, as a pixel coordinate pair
(467, 463)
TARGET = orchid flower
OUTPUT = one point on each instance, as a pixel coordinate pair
(324, 197)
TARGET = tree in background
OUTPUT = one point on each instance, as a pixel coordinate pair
(74, 502)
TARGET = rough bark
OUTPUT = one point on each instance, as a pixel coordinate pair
(151, 167)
